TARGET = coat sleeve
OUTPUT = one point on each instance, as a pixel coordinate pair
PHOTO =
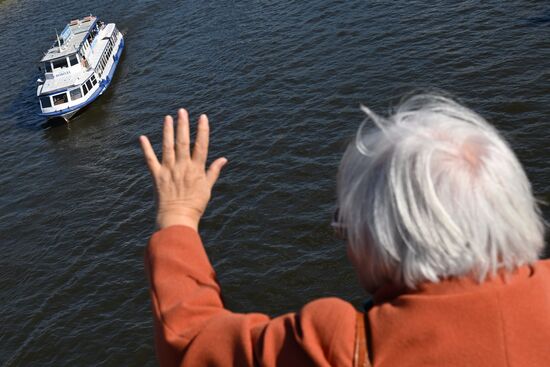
(192, 327)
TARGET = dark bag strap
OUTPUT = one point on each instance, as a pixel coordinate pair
(360, 354)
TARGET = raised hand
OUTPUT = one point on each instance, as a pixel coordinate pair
(182, 183)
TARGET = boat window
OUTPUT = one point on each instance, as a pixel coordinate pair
(45, 102)
(48, 67)
(85, 88)
(73, 60)
(94, 81)
(60, 99)
(89, 84)
(61, 63)
(76, 93)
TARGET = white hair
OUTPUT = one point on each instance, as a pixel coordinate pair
(434, 191)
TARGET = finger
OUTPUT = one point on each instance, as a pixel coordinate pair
(214, 170)
(168, 155)
(182, 135)
(200, 150)
(149, 154)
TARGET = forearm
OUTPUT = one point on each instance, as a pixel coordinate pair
(184, 291)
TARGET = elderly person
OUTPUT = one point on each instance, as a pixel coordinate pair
(441, 227)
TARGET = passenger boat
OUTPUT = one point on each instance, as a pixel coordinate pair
(79, 66)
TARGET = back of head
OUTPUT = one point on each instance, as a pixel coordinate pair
(434, 191)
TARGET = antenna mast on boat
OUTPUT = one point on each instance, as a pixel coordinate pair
(58, 41)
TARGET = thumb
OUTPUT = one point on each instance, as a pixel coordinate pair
(214, 170)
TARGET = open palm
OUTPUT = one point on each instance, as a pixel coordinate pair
(182, 183)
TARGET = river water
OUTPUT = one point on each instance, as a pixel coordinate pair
(282, 83)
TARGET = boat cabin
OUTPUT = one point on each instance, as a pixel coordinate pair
(72, 45)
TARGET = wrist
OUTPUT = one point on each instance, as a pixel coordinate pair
(189, 218)
(173, 220)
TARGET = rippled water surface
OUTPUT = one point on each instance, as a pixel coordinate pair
(281, 82)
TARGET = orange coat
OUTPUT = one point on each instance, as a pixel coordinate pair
(503, 322)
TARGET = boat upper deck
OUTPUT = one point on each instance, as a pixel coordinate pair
(71, 38)
(68, 75)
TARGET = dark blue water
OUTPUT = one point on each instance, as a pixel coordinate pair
(281, 82)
